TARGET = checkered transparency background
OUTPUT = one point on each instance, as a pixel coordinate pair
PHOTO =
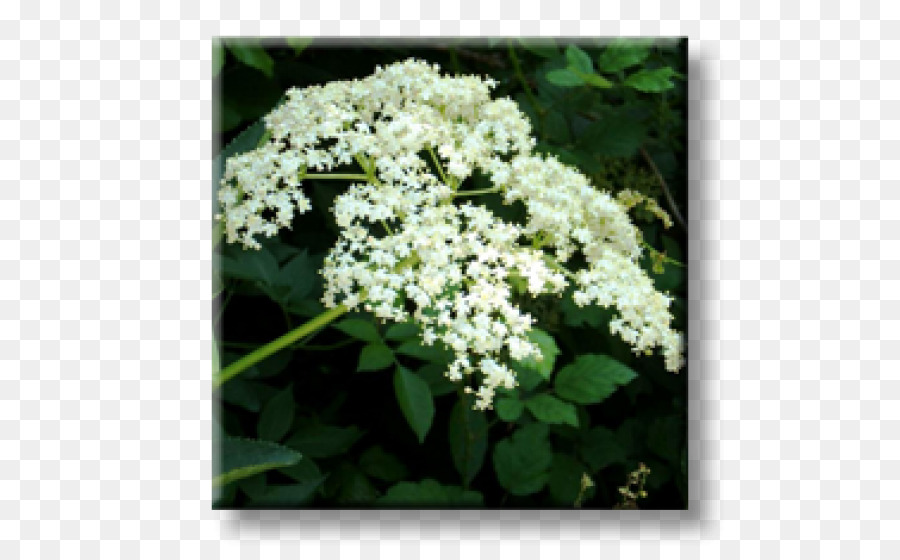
(105, 282)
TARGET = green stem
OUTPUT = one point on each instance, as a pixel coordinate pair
(477, 192)
(350, 176)
(521, 75)
(440, 168)
(267, 350)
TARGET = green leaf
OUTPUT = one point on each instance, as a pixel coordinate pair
(621, 55)
(615, 135)
(243, 142)
(318, 441)
(374, 357)
(437, 353)
(591, 379)
(351, 486)
(253, 56)
(277, 416)
(549, 351)
(415, 400)
(358, 328)
(651, 81)
(468, 439)
(435, 376)
(579, 60)
(543, 47)
(288, 495)
(246, 394)
(509, 409)
(522, 461)
(243, 457)
(596, 80)
(253, 265)
(600, 448)
(378, 463)
(299, 44)
(551, 410)
(565, 480)
(296, 280)
(402, 331)
(429, 493)
(304, 470)
(665, 436)
(564, 77)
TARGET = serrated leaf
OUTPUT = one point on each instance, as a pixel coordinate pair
(252, 55)
(615, 135)
(415, 400)
(509, 409)
(522, 461)
(651, 81)
(277, 416)
(468, 438)
(579, 60)
(621, 55)
(402, 331)
(319, 441)
(358, 328)
(375, 356)
(378, 463)
(551, 410)
(429, 493)
(564, 77)
(591, 379)
(241, 457)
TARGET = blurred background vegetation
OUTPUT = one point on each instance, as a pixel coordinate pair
(616, 110)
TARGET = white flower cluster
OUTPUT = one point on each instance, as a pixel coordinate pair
(409, 249)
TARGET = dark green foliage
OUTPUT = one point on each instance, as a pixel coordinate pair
(360, 413)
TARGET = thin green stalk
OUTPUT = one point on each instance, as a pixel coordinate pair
(350, 176)
(284, 341)
(521, 75)
(440, 168)
(477, 192)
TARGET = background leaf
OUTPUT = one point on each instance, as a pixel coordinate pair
(551, 410)
(429, 493)
(522, 461)
(414, 398)
(651, 81)
(468, 439)
(621, 55)
(253, 55)
(276, 417)
(374, 357)
(242, 457)
(591, 379)
(358, 328)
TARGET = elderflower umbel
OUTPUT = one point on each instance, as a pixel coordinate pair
(409, 249)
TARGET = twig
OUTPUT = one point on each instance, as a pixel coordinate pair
(665, 188)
